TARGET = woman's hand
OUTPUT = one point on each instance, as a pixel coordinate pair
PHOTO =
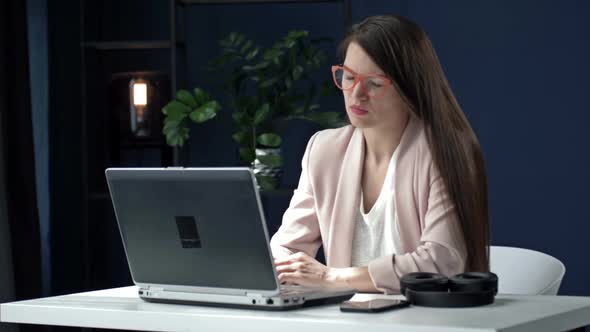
(301, 269)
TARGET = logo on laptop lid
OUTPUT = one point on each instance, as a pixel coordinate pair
(187, 230)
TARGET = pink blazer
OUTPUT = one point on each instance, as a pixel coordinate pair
(324, 206)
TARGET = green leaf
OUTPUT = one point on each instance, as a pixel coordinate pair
(232, 37)
(247, 155)
(297, 34)
(273, 55)
(174, 140)
(246, 46)
(258, 66)
(200, 117)
(175, 110)
(243, 137)
(240, 38)
(292, 57)
(297, 71)
(319, 57)
(261, 114)
(197, 106)
(186, 98)
(271, 160)
(268, 82)
(242, 118)
(250, 68)
(170, 124)
(269, 139)
(290, 43)
(266, 182)
(201, 96)
(288, 83)
(252, 53)
(176, 132)
(205, 112)
(183, 132)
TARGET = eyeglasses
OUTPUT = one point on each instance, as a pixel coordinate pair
(346, 79)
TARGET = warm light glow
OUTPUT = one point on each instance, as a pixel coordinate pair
(139, 94)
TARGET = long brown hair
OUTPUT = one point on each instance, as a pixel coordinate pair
(403, 50)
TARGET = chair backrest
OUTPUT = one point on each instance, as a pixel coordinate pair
(525, 271)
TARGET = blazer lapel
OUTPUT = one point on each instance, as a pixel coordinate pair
(404, 196)
(346, 204)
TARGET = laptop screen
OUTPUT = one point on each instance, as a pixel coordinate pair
(193, 227)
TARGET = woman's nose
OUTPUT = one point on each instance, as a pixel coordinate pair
(359, 91)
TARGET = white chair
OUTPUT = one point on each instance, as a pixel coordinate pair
(526, 272)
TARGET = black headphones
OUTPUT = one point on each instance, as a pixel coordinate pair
(469, 289)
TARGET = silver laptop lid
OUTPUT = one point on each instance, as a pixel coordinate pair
(193, 229)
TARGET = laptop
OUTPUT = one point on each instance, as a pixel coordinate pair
(198, 236)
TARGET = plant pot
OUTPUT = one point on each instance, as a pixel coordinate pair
(272, 172)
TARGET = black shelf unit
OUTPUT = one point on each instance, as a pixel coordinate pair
(101, 130)
(129, 45)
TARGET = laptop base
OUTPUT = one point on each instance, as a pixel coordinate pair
(306, 303)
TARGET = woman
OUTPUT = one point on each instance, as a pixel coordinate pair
(403, 188)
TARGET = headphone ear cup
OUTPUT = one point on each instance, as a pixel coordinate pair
(474, 282)
(423, 282)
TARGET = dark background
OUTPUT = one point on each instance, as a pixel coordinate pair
(518, 68)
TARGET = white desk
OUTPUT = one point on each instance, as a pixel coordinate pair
(120, 308)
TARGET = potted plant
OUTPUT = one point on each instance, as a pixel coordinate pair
(196, 106)
(267, 88)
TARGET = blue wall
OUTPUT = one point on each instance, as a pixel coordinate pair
(520, 71)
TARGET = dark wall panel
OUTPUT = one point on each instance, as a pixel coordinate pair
(520, 72)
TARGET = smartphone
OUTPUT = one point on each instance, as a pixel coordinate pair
(376, 305)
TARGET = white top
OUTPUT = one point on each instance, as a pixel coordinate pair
(121, 308)
(376, 232)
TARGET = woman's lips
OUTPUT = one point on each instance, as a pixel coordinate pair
(358, 111)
